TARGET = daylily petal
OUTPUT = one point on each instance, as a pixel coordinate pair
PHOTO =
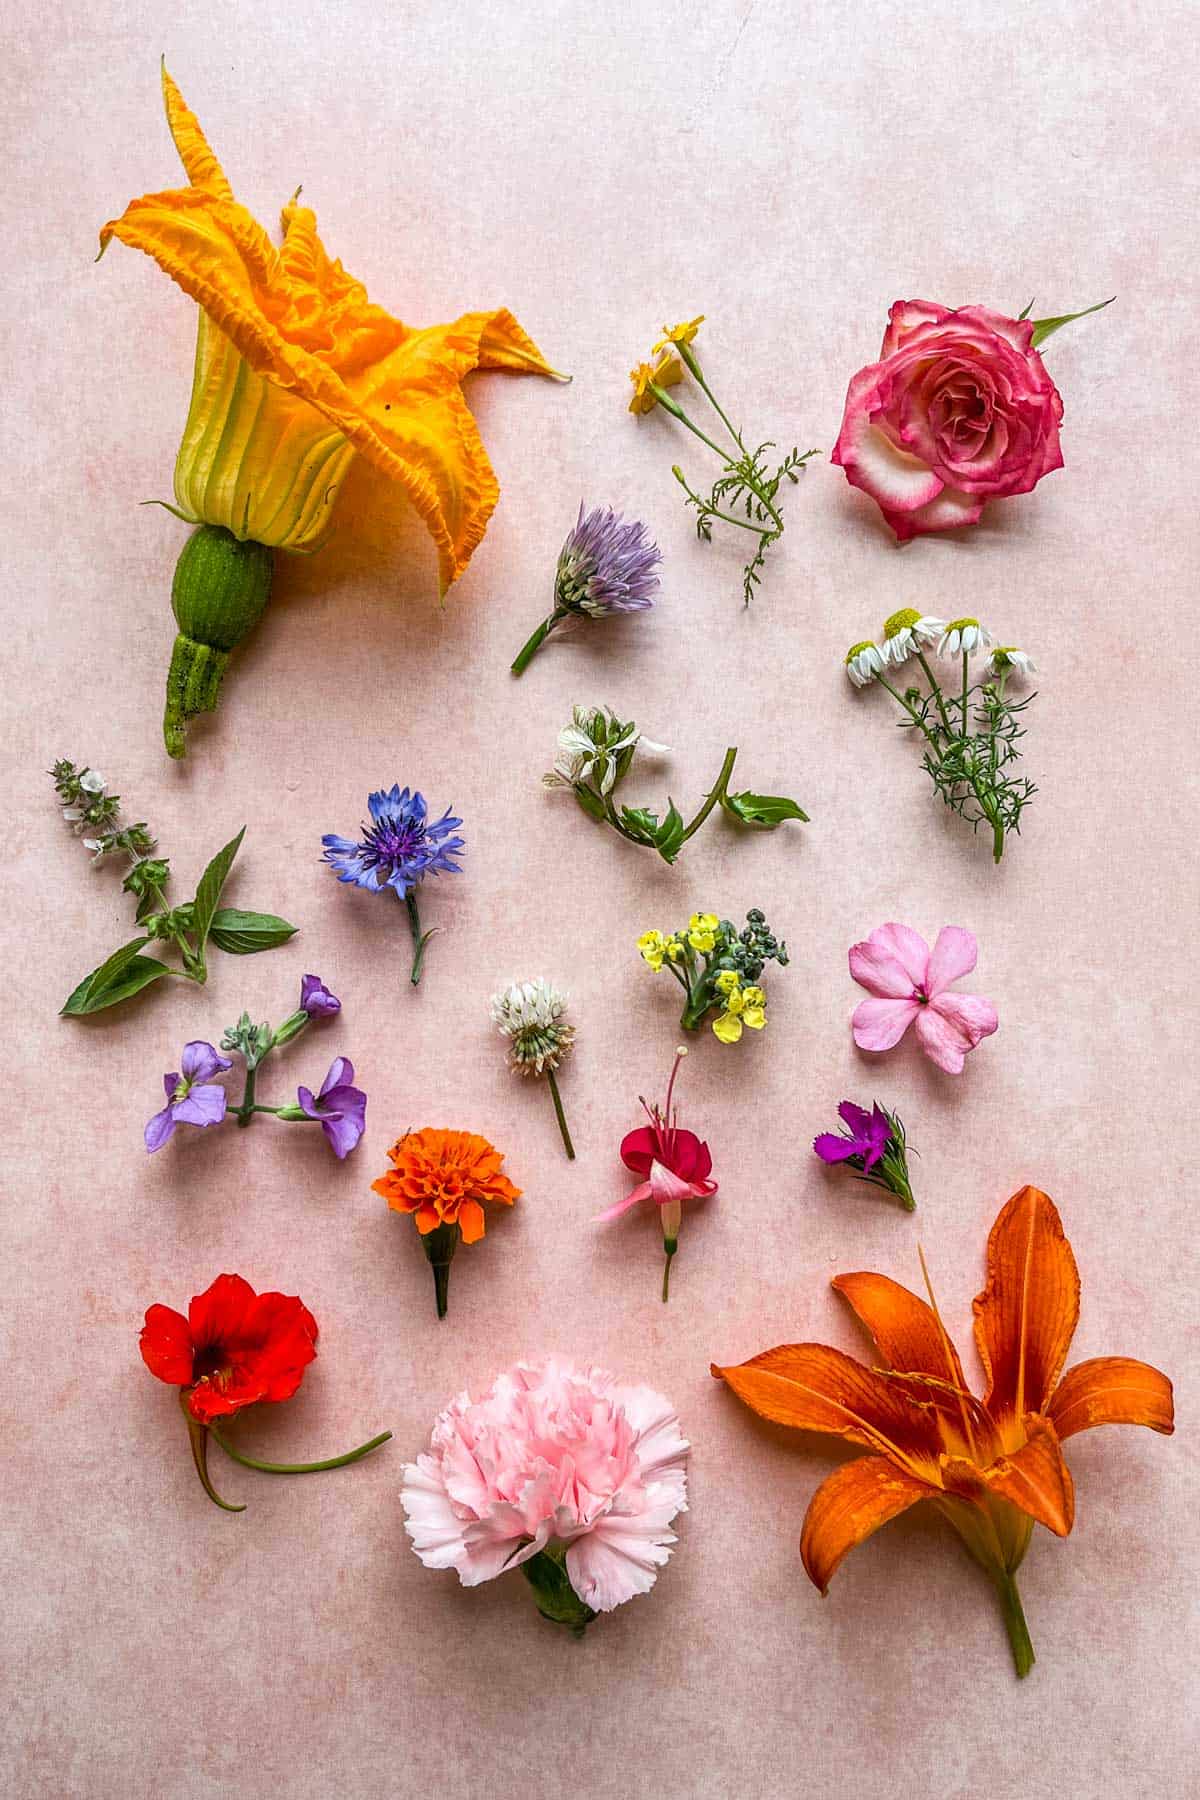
(848, 1506)
(1112, 1390)
(815, 1388)
(880, 1024)
(1035, 1478)
(1025, 1317)
(905, 1330)
(955, 954)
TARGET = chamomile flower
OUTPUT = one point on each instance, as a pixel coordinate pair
(864, 662)
(908, 631)
(963, 637)
(1006, 657)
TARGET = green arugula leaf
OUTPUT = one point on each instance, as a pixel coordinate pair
(245, 933)
(208, 891)
(590, 801)
(1044, 328)
(668, 839)
(124, 974)
(765, 811)
(641, 822)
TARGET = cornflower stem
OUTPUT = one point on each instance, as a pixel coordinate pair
(534, 642)
(560, 1115)
(419, 941)
(715, 794)
(1014, 1623)
(312, 1468)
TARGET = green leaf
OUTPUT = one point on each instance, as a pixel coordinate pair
(590, 801)
(1025, 310)
(208, 890)
(641, 822)
(245, 933)
(763, 810)
(1044, 328)
(123, 975)
(668, 840)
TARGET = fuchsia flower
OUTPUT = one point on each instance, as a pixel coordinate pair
(909, 984)
(676, 1164)
(560, 1471)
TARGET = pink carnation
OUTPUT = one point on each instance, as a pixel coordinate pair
(552, 1454)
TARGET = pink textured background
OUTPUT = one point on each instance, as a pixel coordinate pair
(788, 170)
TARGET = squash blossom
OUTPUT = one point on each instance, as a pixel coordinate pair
(295, 372)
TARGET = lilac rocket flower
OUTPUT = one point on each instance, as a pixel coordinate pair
(190, 1100)
(397, 850)
(340, 1107)
(607, 565)
(874, 1145)
(316, 999)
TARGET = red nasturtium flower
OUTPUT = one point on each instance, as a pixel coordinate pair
(993, 1467)
(234, 1348)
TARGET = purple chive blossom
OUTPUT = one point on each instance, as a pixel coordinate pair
(869, 1133)
(398, 848)
(316, 999)
(606, 565)
(340, 1107)
(189, 1100)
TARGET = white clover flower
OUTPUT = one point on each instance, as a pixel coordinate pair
(864, 662)
(1007, 656)
(907, 631)
(963, 637)
(531, 1015)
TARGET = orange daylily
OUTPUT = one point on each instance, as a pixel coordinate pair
(992, 1467)
(295, 371)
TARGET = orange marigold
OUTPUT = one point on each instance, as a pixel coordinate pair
(441, 1178)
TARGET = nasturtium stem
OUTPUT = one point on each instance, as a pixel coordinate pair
(715, 794)
(198, 1438)
(534, 643)
(1014, 1623)
(312, 1468)
(560, 1115)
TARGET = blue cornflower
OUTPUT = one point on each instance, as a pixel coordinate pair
(397, 850)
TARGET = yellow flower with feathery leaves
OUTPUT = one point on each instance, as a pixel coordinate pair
(295, 372)
(664, 373)
(678, 334)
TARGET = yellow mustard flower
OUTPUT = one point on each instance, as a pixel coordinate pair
(653, 946)
(664, 373)
(726, 982)
(675, 948)
(295, 372)
(679, 334)
(754, 1008)
(702, 931)
(728, 1027)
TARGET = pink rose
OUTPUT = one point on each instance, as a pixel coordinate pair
(958, 410)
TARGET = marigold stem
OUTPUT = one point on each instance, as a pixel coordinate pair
(312, 1468)
(1014, 1623)
(560, 1115)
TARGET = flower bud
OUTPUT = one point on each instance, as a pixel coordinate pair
(219, 593)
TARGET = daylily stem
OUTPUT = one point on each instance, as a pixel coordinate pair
(716, 794)
(560, 1115)
(419, 942)
(1014, 1623)
(534, 643)
(198, 1437)
(312, 1468)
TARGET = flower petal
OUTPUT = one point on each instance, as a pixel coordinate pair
(1025, 1317)
(621, 1555)
(203, 1106)
(848, 1506)
(815, 1388)
(471, 1221)
(622, 1206)
(954, 955)
(904, 1329)
(880, 1024)
(905, 946)
(831, 1147)
(201, 166)
(201, 1061)
(1034, 1478)
(951, 1026)
(218, 1313)
(166, 1345)
(159, 1129)
(341, 1074)
(1112, 1390)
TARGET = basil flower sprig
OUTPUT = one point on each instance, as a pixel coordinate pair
(595, 754)
(190, 929)
(719, 969)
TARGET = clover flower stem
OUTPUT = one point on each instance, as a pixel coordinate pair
(716, 793)
(312, 1468)
(419, 941)
(1014, 1623)
(560, 1115)
(534, 643)
(198, 1437)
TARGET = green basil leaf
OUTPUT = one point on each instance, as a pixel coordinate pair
(1044, 328)
(245, 933)
(766, 811)
(123, 975)
(208, 890)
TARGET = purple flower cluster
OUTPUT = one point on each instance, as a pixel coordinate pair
(606, 565)
(399, 847)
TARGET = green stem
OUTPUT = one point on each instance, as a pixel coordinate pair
(533, 644)
(914, 715)
(714, 512)
(670, 1245)
(1014, 1623)
(715, 794)
(674, 408)
(247, 1109)
(966, 684)
(556, 1599)
(690, 358)
(312, 1468)
(936, 690)
(419, 942)
(439, 1246)
(559, 1114)
(198, 1437)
